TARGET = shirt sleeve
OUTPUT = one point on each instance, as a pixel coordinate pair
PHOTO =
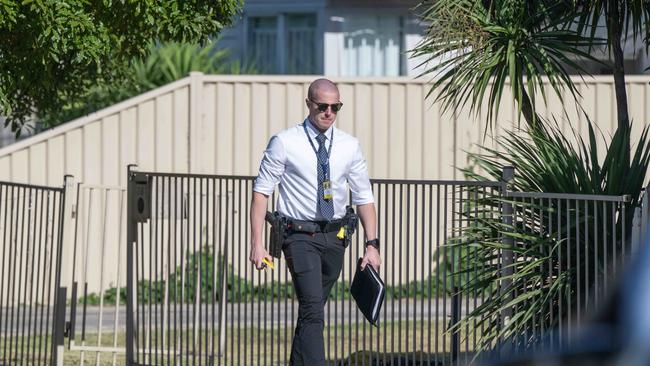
(359, 180)
(271, 167)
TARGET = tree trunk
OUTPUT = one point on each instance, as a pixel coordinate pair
(615, 20)
(528, 111)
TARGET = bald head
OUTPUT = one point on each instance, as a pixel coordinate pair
(321, 85)
(322, 97)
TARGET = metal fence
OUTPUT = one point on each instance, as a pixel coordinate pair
(546, 262)
(562, 256)
(31, 229)
(196, 298)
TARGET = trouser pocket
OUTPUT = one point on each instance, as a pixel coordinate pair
(301, 256)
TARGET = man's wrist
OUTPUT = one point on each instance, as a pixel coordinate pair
(374, 243)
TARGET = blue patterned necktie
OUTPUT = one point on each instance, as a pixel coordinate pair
(325, 207)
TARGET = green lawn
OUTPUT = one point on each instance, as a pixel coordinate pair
(252, 346)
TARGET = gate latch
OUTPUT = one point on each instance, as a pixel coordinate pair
(141, 204)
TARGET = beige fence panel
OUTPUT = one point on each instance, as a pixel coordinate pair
(221, 124)
(150, 130)
(403, 134)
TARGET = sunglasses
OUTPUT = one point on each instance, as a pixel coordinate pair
(323, 106)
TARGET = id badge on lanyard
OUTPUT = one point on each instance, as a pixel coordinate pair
(327, 184)
(327, 190)
(328, 193)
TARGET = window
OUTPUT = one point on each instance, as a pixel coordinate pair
(372, 46)
(262, 43)
(283, 44)
(301, 44)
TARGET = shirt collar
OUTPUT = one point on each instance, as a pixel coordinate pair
(313, 131)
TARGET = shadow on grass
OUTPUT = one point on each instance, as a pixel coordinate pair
(403, 359)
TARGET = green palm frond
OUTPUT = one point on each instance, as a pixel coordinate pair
(546, 160)
(533, 289)
(174, 60)
(543, 156)
(471, 51)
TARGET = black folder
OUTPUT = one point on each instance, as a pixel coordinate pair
(368, 290)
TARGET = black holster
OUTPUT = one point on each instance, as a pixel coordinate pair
(350, 222)
(278, 233)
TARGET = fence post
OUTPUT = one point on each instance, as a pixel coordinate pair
(59, 327)
(67, 233)
(138, 211)
(70, 326)
(455, 318)
(507, 176)
(196, 133)
(130, 239)
(58, 333)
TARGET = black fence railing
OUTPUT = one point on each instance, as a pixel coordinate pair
(31, 228)
(193, 297)
(197, 299)
(545, 262)
(419, 221)
(582, 240)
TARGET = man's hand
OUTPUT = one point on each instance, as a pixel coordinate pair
(371, 257)
(257, 254)
(258, 210)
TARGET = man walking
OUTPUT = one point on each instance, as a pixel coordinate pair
(314, 164)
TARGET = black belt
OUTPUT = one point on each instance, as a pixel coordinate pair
(315, 226)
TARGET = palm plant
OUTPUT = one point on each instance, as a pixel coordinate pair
(485, 43)
(548, 160)
(472, 48)
(174, 60)
(543, 280)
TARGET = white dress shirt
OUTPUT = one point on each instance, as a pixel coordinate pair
(290, 161)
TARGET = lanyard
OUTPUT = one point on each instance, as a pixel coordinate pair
(329, 151)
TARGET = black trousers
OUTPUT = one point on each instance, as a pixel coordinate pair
(315, 262)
